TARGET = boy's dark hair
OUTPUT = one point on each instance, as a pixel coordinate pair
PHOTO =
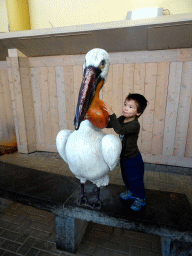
(140, 100)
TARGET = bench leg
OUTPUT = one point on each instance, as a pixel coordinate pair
(165, 246)
(181, 248)
(69, 233)
(175, 247)
(4, 204)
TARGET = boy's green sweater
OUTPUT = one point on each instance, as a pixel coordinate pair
(129, 133)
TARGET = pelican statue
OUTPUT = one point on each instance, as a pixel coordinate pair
(89, 152)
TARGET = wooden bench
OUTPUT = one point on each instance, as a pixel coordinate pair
(168, 215)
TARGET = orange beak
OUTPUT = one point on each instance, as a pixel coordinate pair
(89, 105)
(89, 84)
(96, 113)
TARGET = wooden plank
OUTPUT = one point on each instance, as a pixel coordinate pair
(50, 61)
(128, 79)
(117, 96)
(28, 106)
(4, 134)
(46, 147)
(172, 107)
(107, 95)
(69, 60)
(23, 63)
(160, 106)
(45, 105)
(70, 99)
(10, 81)
(54, 115)
(78, 59)
(3, 65)
(19, 111)
(168, 160)
(116, 58)
(8, 106)
(56, 61)
(107, 90)
(61, 97)
(188, 150)
(7, 97)
(144, 56)
(139, 78)
(148, 119)
(138, 87)
(37, 105)
(183, 110)
(184, 54)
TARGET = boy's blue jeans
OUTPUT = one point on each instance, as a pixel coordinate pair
(132, 171)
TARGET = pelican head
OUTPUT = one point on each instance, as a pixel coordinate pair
(95, 71)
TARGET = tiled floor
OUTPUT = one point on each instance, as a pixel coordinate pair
(25, 230)
(29, 231)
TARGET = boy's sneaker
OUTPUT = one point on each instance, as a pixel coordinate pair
(127, 195)
(138, 204)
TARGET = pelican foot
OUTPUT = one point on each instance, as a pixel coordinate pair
(83, 201)
(95, 204)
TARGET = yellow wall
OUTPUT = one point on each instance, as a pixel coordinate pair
(3, 15)
(74, 12)
(58, 13)
(174, 6)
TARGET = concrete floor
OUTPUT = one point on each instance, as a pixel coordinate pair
(25, 230)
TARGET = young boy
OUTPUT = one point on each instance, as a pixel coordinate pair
(132, 166)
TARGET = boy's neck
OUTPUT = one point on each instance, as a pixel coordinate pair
(129, 119)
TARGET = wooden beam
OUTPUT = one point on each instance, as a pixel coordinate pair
(28, 105)
(148, 116)
(14, 53)
(188, 149)
(61, 97)
(183, 110)
(17, 103)
(172, 107)
(162, 159)
(37, 106)
(160, 106)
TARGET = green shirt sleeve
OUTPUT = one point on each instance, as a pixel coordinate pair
(124, 128)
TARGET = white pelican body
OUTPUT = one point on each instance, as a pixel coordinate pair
(89, 152)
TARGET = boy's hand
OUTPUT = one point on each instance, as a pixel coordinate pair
(108, 108)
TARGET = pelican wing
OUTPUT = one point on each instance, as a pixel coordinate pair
(61, 141)
(111, 150)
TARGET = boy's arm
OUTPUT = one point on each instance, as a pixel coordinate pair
(110, 111)
(116, 124)
(129, 128)
(109, 125)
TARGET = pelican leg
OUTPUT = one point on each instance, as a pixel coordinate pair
(83, 199)
(96, 203)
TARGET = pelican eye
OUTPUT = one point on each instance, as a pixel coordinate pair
(102, 64)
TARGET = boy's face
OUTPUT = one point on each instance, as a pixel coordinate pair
(130, 109)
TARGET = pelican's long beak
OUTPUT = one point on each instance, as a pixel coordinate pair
(91, 78)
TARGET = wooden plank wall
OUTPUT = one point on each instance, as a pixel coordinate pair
(164, 77)
(7, 124)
